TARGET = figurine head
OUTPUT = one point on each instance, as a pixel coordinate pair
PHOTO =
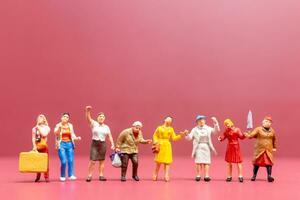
(168, 121)
(201, 120)
(267, 122)
(101, 118)
(137, 126)
(41, 119)
(228, 123)
(65, 117)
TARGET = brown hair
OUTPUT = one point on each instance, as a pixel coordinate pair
(101, 113)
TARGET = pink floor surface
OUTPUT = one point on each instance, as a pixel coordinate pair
(14, 185)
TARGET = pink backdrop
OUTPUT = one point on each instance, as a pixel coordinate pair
(142, 60)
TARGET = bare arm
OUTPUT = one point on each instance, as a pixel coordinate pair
(111, 140)
(74, 136)
(190, 136)
(34, 148)
(221, 138)
(176, 137)
(216, 128)
(88, 115)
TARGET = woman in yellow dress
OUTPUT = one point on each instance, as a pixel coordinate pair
(161, 137)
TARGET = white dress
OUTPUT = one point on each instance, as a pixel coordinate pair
(202, 144)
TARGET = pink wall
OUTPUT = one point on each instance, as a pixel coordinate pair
(145, 59)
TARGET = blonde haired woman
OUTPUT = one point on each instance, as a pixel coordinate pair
(39, 141)
(161, 137)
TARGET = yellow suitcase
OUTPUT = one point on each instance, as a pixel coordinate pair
(33, 162)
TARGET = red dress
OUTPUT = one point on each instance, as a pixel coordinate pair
(233, 152)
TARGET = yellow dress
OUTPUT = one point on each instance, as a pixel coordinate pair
(163, 135)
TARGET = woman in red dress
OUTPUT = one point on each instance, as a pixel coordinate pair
(233, 152)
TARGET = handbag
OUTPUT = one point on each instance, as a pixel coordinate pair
(116, 159)
(155, 148)
(40, 142)
(41, 145)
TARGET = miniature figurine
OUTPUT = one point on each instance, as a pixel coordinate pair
(127, 144)
(162, 136)
(202, 145)
(264, 147)
(98, 147)
(39, 141)
(65, 138)
(233, 152)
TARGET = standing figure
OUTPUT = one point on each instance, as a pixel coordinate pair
(98, 146)
(39, 141)
(202, 145)
(65, 138)
(127, 143)
(162, 136)
(233, 152)
(264, 147)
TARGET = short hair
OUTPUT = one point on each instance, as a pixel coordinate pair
(101, 113)
(168, 116)
(65, 113)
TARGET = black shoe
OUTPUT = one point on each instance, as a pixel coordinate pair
(253, 178)
(88, 179)
(241, 179)
(47, 180)
(123, 178)
(207, 179)
(198, 178)
(102, 178)
(228, 179)
(136, 178)
(270, 179)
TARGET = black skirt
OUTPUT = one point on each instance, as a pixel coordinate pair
(98, 150)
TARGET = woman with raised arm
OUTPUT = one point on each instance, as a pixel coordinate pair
(202, 145)
(98, 146)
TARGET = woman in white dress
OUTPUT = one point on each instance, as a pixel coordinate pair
(202, 145)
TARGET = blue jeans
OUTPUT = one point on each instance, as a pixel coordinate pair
(66, 154)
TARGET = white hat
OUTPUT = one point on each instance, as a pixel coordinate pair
(137, 123)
